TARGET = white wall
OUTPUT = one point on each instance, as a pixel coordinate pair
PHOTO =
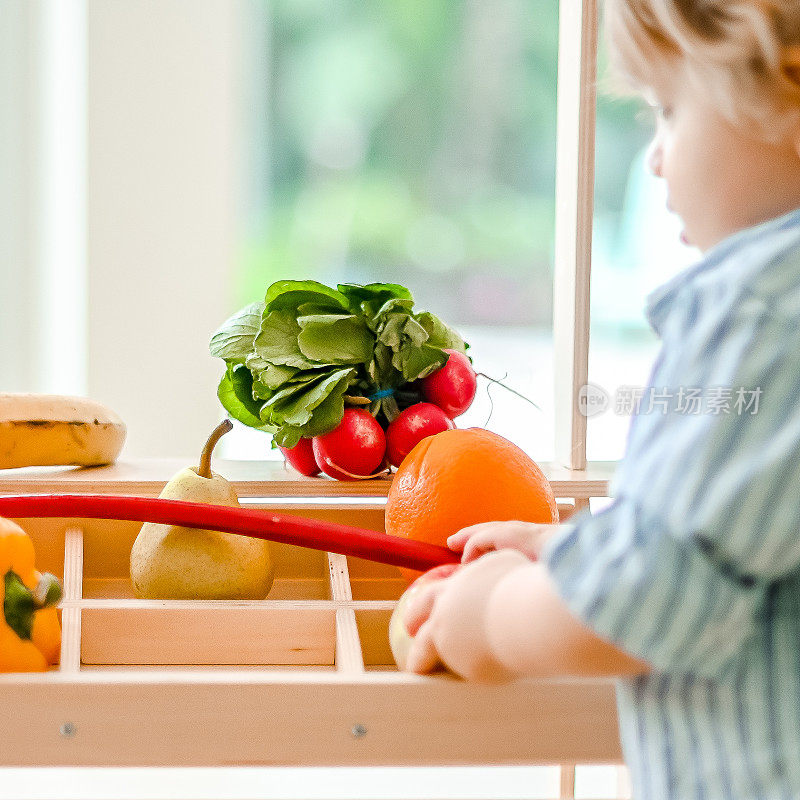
(162, 210)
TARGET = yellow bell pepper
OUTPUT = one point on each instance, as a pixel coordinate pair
(30, 634)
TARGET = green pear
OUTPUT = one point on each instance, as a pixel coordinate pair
(170, 562)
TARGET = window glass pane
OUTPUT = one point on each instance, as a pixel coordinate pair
(414, 143)
(636, 247)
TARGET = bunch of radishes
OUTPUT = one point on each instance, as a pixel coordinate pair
(361, 448)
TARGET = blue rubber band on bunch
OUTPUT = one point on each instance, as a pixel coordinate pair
(381, 394)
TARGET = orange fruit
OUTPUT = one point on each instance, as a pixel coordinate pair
(462, 477)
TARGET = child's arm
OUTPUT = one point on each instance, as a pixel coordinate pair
(531, 632)
(499, 618)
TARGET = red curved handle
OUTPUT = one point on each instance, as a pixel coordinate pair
(261, 524)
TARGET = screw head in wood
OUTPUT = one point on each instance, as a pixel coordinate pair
(358, 731)
(68, 730)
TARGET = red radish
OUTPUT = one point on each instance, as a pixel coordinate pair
(452, 387)
(357, 446)
(412, 426)
(301, 457)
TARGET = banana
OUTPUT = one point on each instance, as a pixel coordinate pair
(51, 430)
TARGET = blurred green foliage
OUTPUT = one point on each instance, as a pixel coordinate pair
(415, 142)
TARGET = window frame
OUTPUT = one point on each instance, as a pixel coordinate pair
(575, 160)
(107, 271)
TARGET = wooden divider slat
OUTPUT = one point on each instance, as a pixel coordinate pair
(234, 606)
(73, 564)
(566, 781)
(70, 659)
(341, 591)
(565, 511)
(349, 657)
(208, 633)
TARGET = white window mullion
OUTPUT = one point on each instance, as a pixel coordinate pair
(577, 69)
(42, 200)
(19, 123)
(62, 206)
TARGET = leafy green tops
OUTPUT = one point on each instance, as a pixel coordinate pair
(294, 360)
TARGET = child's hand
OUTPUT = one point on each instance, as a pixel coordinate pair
(476, 540)
(446, 620)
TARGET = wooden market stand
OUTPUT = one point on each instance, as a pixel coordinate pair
(303, 678)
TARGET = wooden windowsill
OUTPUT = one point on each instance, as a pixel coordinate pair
(254, 479)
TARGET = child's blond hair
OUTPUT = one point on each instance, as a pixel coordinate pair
(742, 53)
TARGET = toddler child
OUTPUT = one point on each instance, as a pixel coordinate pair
(686, 588)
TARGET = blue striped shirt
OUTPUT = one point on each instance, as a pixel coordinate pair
(694, 566)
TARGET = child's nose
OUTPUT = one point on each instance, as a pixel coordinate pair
(654, 157)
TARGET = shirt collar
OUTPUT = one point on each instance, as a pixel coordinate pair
(661, 299)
